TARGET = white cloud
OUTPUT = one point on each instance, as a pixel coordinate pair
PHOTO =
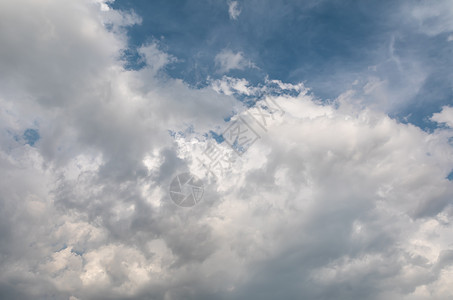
(233, 10)
(445, 116)
(433, 18)
(228, 60)
(331, 200)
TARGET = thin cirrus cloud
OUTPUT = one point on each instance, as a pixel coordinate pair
(335, 200)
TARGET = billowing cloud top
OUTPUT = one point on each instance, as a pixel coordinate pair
(323, 199)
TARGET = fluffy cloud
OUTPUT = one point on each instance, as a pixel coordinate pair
(228, 60)
(333, 201)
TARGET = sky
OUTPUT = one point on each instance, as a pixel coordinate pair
(226, 149)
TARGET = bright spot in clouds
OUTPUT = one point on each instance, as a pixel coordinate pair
(228, 60)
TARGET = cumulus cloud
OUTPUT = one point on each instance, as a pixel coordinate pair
(445, 116)
(333, 201)
(433, 18)
(228, 60)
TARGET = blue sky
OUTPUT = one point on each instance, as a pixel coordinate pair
(328, 45)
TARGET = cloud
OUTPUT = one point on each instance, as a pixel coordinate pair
(233, 10)
(434, 19)
(228, 60)
(327, 196)
(445, 116)
(333, 201)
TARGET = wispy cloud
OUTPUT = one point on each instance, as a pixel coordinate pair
(445, 116)
(233, 9)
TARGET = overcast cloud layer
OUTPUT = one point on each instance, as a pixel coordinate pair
(336, 199)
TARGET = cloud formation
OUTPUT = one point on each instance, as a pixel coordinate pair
(334, 200)
(228, 60)
(233, 9)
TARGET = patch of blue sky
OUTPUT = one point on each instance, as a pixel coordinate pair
(329, 45)
(450, 176)
(31, 136)
(78, 252)
(217, 137)
(291, 41)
